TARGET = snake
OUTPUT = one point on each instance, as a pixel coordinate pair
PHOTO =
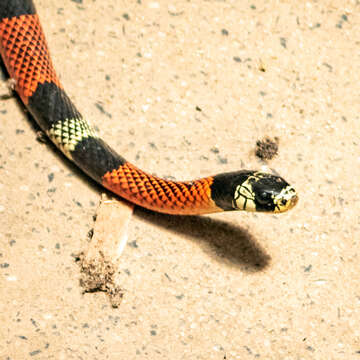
(26, 56)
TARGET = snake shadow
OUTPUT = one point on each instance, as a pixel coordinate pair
(223, 241)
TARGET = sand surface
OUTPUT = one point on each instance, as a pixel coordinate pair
(185, 89)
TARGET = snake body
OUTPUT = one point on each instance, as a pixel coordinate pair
(25, 54)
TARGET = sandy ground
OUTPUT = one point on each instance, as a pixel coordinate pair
(185, 89)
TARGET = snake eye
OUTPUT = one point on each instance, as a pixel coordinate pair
(264, 198)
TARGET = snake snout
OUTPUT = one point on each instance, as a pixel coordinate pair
(286, 199)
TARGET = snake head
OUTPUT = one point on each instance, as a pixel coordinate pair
(253, 191)
(266, 193)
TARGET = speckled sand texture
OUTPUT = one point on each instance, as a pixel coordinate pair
(185, 89)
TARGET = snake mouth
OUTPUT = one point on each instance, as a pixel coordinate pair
(293, 202)
(285, 200)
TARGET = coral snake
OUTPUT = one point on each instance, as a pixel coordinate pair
(26, 56)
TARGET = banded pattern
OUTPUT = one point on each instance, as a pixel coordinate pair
(26, 56)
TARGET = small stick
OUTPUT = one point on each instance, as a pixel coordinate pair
(100, 263)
